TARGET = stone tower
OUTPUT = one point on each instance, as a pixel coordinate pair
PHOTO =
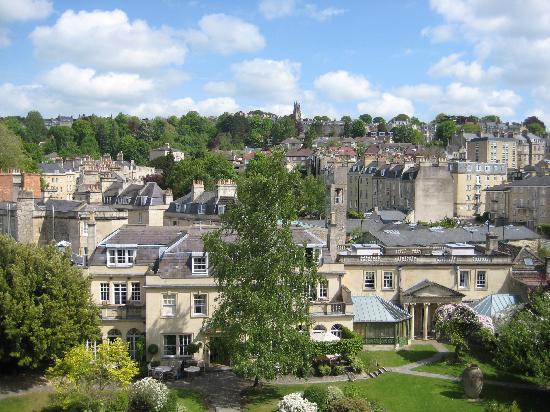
(297, 113)
(336, 207)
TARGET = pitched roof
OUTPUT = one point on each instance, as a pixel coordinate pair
(375, 309)
(492, 304)
(424, 284)
(145, 235)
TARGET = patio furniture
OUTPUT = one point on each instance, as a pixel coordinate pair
(160, 371)
(191, 370)
(150, 369)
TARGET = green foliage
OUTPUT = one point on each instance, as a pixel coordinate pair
(348, 346)
(356, 364)
(333, 394)
(406, 134)
(445, 131)
(350, 405)
(379, 119)
(90, 147)
(312, 198)
(153, 349)
(354, 214)
(259, 273)
(446, 222)
(324, 370)
(283, 128)
(45, 304)
(535, 125)
(12, 155)
(337, 370)
(471, 128)
(35, 130)
(494, 406)
(319, 395)
(347, 126)
(523, 341)
(358, 128)
(366, 118)
(491, 118)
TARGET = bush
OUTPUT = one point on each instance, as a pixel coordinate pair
(333, 394)
(295, 402)
(356, 364)
(148, 395)
(350, 405)
(153, 349)
(348, 346)
(89, 401)
(324, 370)
(337, 370)
(318, 395)
(494, 406)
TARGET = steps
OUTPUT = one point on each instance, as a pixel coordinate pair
(378, 372)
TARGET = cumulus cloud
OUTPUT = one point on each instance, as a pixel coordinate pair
(164, 107)
(420, 92)
(107, 39)
(322, 14)
(453, 66)
(342, 85)
(274, 9)
(439, 34)
(273, 81)
(386, 105)
(219, 88)
(225, 35)
(23, 10)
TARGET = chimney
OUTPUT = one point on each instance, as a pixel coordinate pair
(225, 188)
(491, 243)
(197, 189)
(120, 157)
(168, 197)
(91, 235)
(24, 217)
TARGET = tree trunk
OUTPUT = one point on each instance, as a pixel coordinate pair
(256, 381)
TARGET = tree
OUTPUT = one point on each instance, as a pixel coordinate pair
(445, 131)
(45, 304)
(82, 129)
(134, 149)
(262, 275)
(260, 130)
(366, 118)
(347, 126)
(283, 128)
(406, 134)
(441, 117)
(358, 128)
(535, 125)
(35, 129)
(90, 147)
(63, 136)
(12, 155)
(491, 118)
(471, 128)
(378, 119)
(312, 198)
(401, 117)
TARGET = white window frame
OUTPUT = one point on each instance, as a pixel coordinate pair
(104, 291)
(135, 292)
(120, 293)
(183, 341)
(386, 281)
(484, 284)
(221, 209)
(84, 228)
(204, 305)
(201, 210)
(200, 269)
(369, 272)
(120, 257)
(323, 289)
(466, 283)
(166, 352)
(168, 307)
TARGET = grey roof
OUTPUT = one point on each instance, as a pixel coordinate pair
(60, 205)
(532, 181)
(375, 309)
(423, 284)
(58, 167)
(391, 215)
(492, 304)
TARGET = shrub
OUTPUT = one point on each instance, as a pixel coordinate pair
(333, 394)
(337, 370)
(318, 395)
(348, 346)
(494, 406)
(324, 370)
(153, 349)
(148, 395)
(350, 405)
(356, 364)
(295, 402)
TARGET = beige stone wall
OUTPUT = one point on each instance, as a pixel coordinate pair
(465, 192)
(434, 195)
(60, 185)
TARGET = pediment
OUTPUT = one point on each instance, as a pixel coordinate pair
(431, 289)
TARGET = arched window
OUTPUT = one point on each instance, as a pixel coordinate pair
(113, 334)
(336, 330)
(319, 329)
(132, 337)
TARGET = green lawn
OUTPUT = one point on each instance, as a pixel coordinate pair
(396, 392)
(193, 401)
(398, 358)
(24, 403)
(449, 366)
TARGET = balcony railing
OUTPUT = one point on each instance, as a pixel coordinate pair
(326, 308)
(123, 313)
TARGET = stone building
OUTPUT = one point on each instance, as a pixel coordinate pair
(12, 182)
(491, 149)
(165, 150)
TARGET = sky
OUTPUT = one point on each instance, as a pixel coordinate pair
(336, 57)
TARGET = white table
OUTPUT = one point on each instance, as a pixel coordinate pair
(192, 370)
(159, 371)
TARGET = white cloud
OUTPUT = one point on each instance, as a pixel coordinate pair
(439, 34)
(386, 105)
(4, 37)
(452, 66)
(342, 85)
(274, 9)
(267, 80)
(107, 39)
(225, 35)
(208, 107)
(23, 10)
(219, 88)
(420, 92)
(88, 84)
(322, 14)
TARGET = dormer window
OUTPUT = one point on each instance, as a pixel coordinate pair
(202, 209)
(199, 263)
(221, 209)
(118, 257)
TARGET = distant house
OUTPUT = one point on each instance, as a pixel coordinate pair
(291, 143)
(164, 151)
(298, 159)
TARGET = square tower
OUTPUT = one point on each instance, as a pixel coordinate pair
(336, 207)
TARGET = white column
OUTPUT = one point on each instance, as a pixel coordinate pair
(425, 331)
(411, 320)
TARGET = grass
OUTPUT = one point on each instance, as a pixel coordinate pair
(398, 358)
(450, 366)
(396, 392)
(193, 401)
(24, 403)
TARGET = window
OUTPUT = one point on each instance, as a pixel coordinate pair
(336, 330)
(463, 279)
(120, 290)
(221, 209)
(388, 280)
(85, 228)
(199, 304)
(481, 279)
(184, 341)
(168, 305)
(323, 289)
(369, 280)
(140, 217)
(104, 292)
(199, 264)
(113, 334)
(169, 345)
(132, 337)
(201, 209)
(111, 257)
(311, 292)
(136, 292)
(120, 257)
(339, 198)
(319, 329)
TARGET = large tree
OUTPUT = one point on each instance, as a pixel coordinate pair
(535, 125)
(45, 304)
(366, 118)
(262, 275)
(406, 134)
(35, 131)
(12, 154)
(358, 128)
(445, 131)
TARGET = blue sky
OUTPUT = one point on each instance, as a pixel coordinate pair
(335, 57)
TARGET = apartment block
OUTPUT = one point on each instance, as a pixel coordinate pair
(491, 149)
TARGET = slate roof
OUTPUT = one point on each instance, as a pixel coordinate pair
(374, 309)
(59, 205)
(209, 198)
(299, 153)
(135, 193)
(391, 215)
(492, 304)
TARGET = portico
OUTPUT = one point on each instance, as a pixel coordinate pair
(421, 301)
